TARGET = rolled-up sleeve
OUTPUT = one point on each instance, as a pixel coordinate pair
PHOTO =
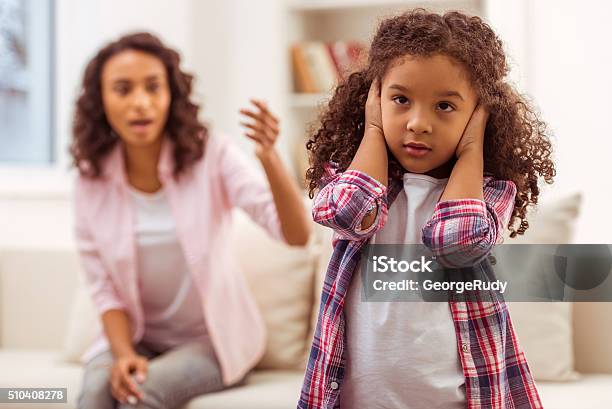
(101, 288)
(343, 203)
(462, 232)
(247, 188)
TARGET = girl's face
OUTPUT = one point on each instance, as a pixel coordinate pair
(426, 101)
(136, 96)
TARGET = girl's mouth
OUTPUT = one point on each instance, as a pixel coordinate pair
(416, 151)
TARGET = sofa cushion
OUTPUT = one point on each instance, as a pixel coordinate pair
(545, 329)
(280, 277)
(589, 392)
(263, 390)
(552, 222)
(83, 325)
(36, 288)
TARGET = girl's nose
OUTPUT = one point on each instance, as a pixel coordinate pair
(419, 124)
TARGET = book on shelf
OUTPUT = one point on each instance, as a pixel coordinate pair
(318, 66)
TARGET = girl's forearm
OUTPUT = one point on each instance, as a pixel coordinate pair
(288, 200)
(466, 178)
(117, 328)
(371, 156)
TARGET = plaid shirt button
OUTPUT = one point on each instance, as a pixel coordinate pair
(464, 348)
(334, 385)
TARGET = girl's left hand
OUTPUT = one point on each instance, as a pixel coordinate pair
(263, 128)
(473, 135)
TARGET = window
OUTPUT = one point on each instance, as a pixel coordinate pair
(26, 43)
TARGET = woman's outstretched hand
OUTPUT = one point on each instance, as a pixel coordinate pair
(262, 128)
(473, 135)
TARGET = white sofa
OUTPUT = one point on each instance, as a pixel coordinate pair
(44, 319)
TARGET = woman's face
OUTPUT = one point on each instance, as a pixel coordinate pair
(136, 96)
(425, 101)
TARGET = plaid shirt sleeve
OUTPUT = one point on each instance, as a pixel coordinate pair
(462, 232)
(344, 201)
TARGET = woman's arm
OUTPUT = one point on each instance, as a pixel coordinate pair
(287, 199)
(108, 303)
(285, 192)
(118, 331)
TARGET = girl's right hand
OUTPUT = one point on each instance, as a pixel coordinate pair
(373, 115)
(123, 386)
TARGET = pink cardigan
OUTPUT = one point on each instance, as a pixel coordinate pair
(201, 201)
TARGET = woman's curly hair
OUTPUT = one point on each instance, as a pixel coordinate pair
(93, 137)
(516, 145)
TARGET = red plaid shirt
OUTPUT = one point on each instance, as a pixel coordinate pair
(461, 232)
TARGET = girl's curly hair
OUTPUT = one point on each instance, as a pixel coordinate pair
(93, 137)
(516, 145)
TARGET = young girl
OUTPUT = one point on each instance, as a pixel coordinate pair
(153, 206)
(427, 145)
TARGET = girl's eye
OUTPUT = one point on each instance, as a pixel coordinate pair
(400, 100)
(446, 104)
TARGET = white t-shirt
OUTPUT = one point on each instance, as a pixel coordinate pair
(172, 307)
(402, 354)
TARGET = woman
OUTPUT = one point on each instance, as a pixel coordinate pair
(153, 206)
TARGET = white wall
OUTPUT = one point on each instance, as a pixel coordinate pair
(570, 68)
(563, 60)
(239, 55)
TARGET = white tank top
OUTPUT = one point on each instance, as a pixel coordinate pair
(172, 307)
(402, 354)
